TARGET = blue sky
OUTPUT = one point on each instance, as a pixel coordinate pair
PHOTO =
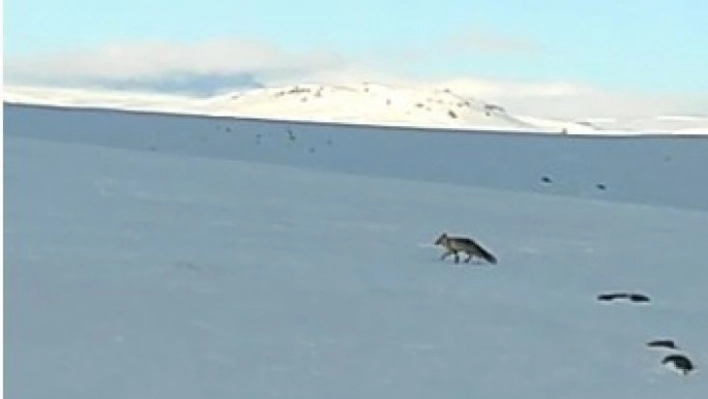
(654, 46)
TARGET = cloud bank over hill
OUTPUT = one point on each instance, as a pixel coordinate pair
(217, 66)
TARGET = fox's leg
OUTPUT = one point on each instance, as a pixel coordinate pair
(469, 257)
(457, 257)
(446, 254)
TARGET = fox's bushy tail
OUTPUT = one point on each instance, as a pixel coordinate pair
(488, 256)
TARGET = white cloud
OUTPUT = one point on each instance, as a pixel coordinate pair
(573, 100)
(154, 60)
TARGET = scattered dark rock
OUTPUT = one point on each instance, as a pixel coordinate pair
(546, 179)
(601, 186)
(152, 148)
(228, 129)
(329, 141)
(298, 90)
(312, 150)
(662, 343)
(493, 108)
(452, 114)
(291, 136)
(681, 362)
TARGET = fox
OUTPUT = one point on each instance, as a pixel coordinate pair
(453, 245)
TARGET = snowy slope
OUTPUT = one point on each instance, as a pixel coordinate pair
(137, 274)
(648, 170)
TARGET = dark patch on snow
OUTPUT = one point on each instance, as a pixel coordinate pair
(187, 265)
(291, 135)
(638, 298)
(681, 362)
(494, 108)
(610, 297)
(662, 343)
(623, 295)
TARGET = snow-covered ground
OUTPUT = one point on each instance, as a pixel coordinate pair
(364, 103)
(677, 124)
(152, 256)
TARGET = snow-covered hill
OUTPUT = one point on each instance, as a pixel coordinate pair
(373, 104)
(362, 104)
(365, 103)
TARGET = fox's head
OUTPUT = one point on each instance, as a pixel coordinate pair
(441, 239)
